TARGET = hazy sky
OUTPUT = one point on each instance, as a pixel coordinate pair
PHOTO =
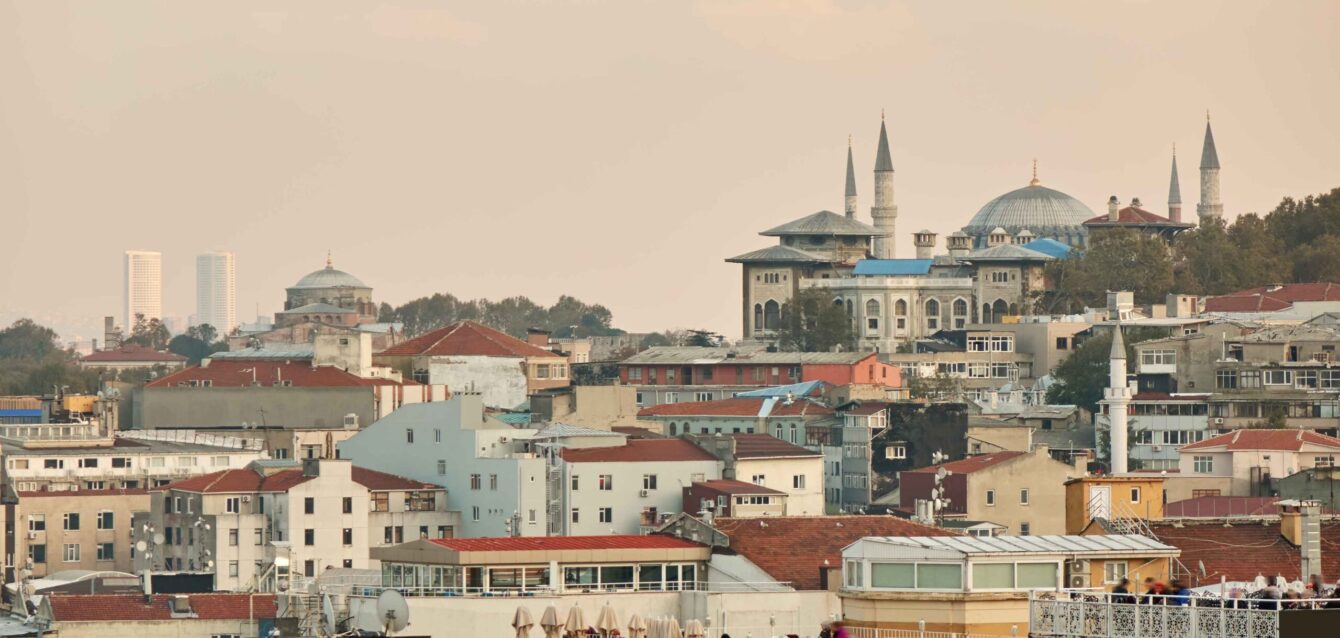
(614, 151)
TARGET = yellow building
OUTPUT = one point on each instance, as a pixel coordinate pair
(1111, 499)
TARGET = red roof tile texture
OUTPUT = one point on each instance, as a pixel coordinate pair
(1131, 215)
(972, 463)
(238, 374)
(1269, 298)
(246, 481)
(639, 451)
(797, 549)
(1222, 507)
(467, 338)
(132, 607)
(765, 446)
(1288, 440)
(738, 406)
(726, 486)
(549, 543)
(1242, 551)
(85, 493)
(133, 353)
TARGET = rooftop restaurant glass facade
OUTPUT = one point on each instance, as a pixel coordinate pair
(470, 580)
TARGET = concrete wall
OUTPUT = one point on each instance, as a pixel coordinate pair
(230, 407)
(780, 475)
(52, 508)
(157, 628)
(625, 500)
(1042, 476)
(500, 380)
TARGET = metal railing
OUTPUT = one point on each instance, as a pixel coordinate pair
(570, 590)
(872, 632)
(1083, 614)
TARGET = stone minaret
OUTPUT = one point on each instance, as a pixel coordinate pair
(1117, 396)
(1175, 192)
(885, 212)
(1209, 206)
(851, 184)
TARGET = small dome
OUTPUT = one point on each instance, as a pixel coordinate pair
(328, 277)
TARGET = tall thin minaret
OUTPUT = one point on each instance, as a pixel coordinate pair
(1117, 396)
(1209, 206)
(1174, 192)
(885, 212)
(851, 183)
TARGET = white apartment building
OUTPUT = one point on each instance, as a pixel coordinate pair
(497, 481)
(1248, 462)
(216, 291)
(273, 520)
(143, 286)
(624, 489)
(1160, 424)
(123, 462)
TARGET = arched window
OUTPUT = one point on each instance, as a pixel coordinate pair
(999, 310)
(674, 429)
(1014, 308)
(872, 308)
(872, 316)
(932, 314)
(772, 315)
(851, 310)
(758, 317)
(900, 315)
(960, 310)
(986, 313)
(838, 302)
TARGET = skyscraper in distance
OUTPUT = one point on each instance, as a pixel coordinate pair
(143, 286)
(216, 291)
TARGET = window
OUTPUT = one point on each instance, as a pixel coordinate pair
(106, 520)
(1158, 357)
(576, 481)
(798, 482)
(493, 482)
(606, 514)
(89, 463)
(106, 551)
(648, 481)
(218, 461)
(895, 452)
(854, 573)
(671, 397)
(232, 537)
(232, 568)
(475, 482)
(1114, 572)
(347, 536)
(37, 553)
(990, 498)
(309, 568)
(421, 501)
(37, 523)
(347, 505)
(186, 461)
(1062, 343)
(1000, 276)
(381, 502)
(606, 482)
(309, 537)
(308, 505)
(702, 396)
(232, 505)
(1135, 495)
(72, 552)
(932, 315)
(1323, 461)
(474, 513)
(71, 521)
(1023, 496)
(120, 461)
(409, 435)
(1226, 379)
(437, 435)
(259, 540)
(635, 374)
(576, 516)
(53, 464)
(993, 576)
(1202, 464)
(1248, 379)
(1279, 377)
(1024, 529)
(759, 479)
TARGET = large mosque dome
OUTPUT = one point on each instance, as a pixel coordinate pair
(329, 277)
(1043, 211)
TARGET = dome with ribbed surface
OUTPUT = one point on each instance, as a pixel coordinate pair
(1042, 211)
(329, 277)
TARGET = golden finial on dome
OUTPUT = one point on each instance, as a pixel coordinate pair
(1034, 181)
(329, 263)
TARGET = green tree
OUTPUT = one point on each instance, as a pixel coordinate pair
(193, 348)
(940, 387)
(1081, 378)
(150, 333)
(1115, 260)
(704, 339)
(810, 322)
(27, 340)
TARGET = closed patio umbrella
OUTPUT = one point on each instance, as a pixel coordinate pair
(637, 626)
(607, 621)
(575, 626)
(672, 628)
(694, 629)
(522, 622)
(549, 622)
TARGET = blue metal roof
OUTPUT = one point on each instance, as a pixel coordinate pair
(1049, 247)
(802, 389)
(20, 412)
(886, 267)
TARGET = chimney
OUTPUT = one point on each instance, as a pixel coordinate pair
(1300, 524)
(1081, 463)
(311, 467)
(959, 245)
(1113, 209)
(925, 243)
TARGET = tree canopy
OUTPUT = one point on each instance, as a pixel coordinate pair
(810, 322)
(31, 362)
(1081, 378)
(1115, 260)
(568, 317)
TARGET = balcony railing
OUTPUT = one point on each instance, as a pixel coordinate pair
(1084, 614)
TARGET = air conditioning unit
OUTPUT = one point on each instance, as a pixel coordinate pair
(1218, 420)
(32, 536)
(1078, 581)
(1078, 566)
(642, 493)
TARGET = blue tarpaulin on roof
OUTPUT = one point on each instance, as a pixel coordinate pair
(889, 267)
(1049, 247)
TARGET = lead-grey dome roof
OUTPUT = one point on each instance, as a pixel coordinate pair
(328, 277)
(1034, 207)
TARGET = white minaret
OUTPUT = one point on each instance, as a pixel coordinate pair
(1117, 396)
(885, 212)
(1209, 206)
(851, 183)
(1175, 192)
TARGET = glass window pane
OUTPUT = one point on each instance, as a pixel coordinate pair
(649, 577)
(1037, 575)
(993, 576)
(616, 576)
(579, 576)
(899, 575)
(939, 576)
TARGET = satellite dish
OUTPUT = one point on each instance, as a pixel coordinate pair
(328, 612)
(159, 538)
(393, 611)
(366, 618)
(209, 564)
(141, 546)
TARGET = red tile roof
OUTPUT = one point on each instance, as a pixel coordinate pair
(85, 493)
(775, 543)
(971, 464)
(1241, 551)
(248, 481)
(639, 451)
(765, 446)
(132, 607)
(1289, 440)
(1131, 215)
(738, 406)
(726, 486)
(230, 373)
(467, 338)
(1269, 298)
(550, 543)
(1222, 507)
(133, 353)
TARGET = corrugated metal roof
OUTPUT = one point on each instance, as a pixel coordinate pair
(704, 355)
(824, 222)
(978, 545)
(1007, 252)
(892, 267)
(564, 430)
(296, 351)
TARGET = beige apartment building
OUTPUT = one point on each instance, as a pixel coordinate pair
(1249, 462)
(1020, 491)
(68, 530)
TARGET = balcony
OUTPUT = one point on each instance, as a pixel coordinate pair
(1086, 614)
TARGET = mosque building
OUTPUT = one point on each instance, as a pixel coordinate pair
(993, 268)
(328, 296)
